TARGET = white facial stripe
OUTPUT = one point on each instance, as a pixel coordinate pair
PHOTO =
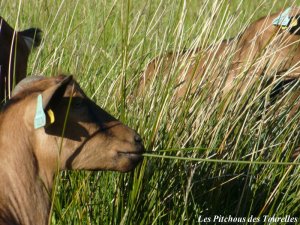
(28, 41)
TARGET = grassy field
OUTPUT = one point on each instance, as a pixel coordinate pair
(106, 46)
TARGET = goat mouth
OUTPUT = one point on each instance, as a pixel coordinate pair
(132, 155)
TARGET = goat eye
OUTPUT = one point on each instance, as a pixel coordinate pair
(77, 103)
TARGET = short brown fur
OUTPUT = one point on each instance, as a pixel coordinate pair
(30, 158)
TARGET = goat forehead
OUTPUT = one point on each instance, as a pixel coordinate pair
(40, 83)
(29, 83)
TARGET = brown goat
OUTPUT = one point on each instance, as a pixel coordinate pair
(261, 46)
(32, 150)
(14, 51)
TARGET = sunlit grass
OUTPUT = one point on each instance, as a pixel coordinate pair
(230, 156)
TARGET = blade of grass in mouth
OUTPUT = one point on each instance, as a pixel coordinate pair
(222, 160)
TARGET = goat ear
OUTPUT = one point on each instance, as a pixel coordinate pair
(44, 102)
(55, 91)
(32, 37)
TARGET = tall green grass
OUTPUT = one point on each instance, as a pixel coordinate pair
(106, 45)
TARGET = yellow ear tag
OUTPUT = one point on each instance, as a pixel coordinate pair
(51, 116)
(294, 22)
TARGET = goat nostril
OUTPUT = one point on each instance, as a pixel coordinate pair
(137, 138)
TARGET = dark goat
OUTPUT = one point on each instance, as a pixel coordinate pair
(15, 48)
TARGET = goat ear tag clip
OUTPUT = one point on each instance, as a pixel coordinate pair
(51, 116)
(283, 19)
(40, 117)
(294, 22)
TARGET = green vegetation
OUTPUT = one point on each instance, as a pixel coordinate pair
(106, 45)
